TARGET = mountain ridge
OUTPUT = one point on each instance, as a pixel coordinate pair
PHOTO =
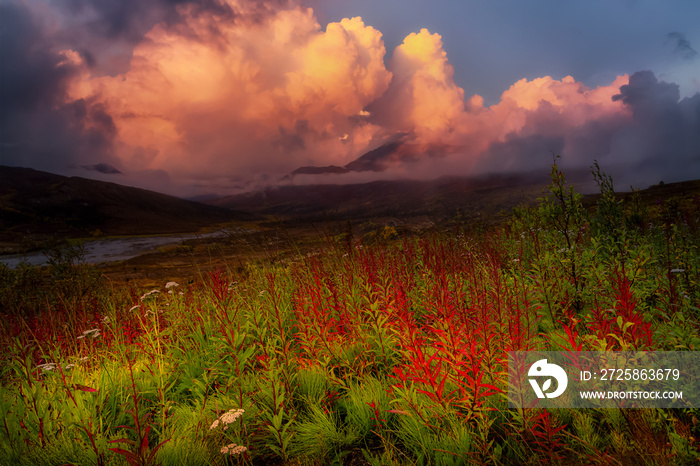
(33, 202)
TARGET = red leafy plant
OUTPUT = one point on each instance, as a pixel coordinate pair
(547, 437)
(624, 325)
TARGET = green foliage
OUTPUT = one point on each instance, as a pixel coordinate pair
(555, 238)
(20, 288)
(319, 434)
(66, 281)
(392, 352)
(609, 220)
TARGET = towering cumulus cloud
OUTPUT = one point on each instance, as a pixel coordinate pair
(249, 94)
(215, 95)
(423, 97)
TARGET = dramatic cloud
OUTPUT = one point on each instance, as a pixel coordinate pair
(652, 135)
(423, 97)
(537, 118)
(663, 137)
(37, 126)
(260, 94)
(217, 95)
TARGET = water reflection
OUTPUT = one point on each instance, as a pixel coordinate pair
(113, 249)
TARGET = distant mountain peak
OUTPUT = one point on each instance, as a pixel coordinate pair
(375, 160)
(102, 168)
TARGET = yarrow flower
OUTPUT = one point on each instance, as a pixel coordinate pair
(95, 332)
(51, 366)
(171, 285)
(233, 449)
(48, 367)
(227, 418)
(230, 416)
(149, 294)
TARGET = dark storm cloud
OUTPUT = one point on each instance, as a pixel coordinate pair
(129, 20)
(105, 31)
(29, 70)
(36, 126)
(681, 45)
(645, 93)
(667, 129)
(114, 18)
(133, 18)
(658, 140)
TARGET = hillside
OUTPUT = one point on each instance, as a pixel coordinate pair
(443, 198)
(482, 199)
(39, 203)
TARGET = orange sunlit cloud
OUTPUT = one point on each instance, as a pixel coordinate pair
(210, 96)
(424, 100)
(213, 97)
(427, 97)
(545, 105)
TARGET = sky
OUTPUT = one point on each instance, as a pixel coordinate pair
(193, 97)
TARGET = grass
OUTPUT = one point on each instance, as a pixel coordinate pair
(392, 351)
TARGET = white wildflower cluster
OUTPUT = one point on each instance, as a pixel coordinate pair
(51, 366)
(233, 449)
(149, 294)
(170, 285)
(231, 415)
(48, 367)
(94, 333)
(227, 418)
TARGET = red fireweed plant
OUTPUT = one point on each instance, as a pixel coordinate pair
(623, 326)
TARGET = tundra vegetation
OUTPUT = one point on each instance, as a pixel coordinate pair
(389, 351)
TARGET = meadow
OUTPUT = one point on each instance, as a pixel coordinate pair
(384, 350)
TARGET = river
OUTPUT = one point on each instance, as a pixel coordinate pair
(113, 249)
